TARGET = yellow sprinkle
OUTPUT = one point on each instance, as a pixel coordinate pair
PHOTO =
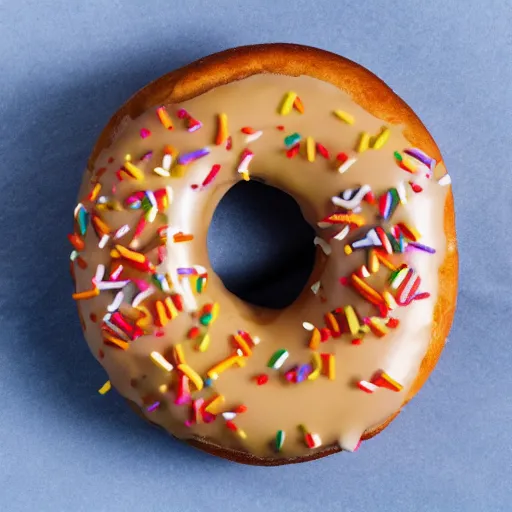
(214, 404)
(178, 171)
(352, 320)
(160, 361)
(331, 367)
(95, 191)
(245, 176)
(163, 388)
(310, 149)
(115, 341)
(287, 103)
(382, 138)
(373, 262)
(105, 388)
(161, 313)
(364, 142)
(385, 261)
(192, 375)
(134, 171)
(389, 299)
(317, 366)
(241, 433)
(171, 310)
(215, 312)
(242, 345)
(409, 164)
(344, 116)
(391, 381)
(204, 343)
(145, 319)
(347, 249)
(213, 372)
(179, 356)
(88, 294)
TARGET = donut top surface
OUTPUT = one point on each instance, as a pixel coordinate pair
(197, 360)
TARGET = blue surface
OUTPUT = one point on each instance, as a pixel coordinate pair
(66, 67)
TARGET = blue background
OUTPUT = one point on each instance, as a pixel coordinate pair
(66, 67)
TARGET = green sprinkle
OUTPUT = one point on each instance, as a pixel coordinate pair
(394, 243)
(291, 140)
(206, 319)
(200, 284)
(278, 358)
(398, 156)
(280, 437)
(82, 219)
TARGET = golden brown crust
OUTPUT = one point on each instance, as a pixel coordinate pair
(368, 91)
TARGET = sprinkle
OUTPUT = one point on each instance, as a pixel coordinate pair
(365, 290)
(94, 192)
(228, 416)
(355, 201)
(253, 137)
(383, 380)
(241, 344)
(192, 375)
(211, 175)
(245, 159)
(280, 438)
(415, 187)
(332, 323)
(409, 232)
(346, 165)
(310, 149)
(352, 320)
(376, 326)
(182, 237)
(223, 365)
(76, 242)
(144, 133)
(382, 138)
(189, 301)
(445, 180)
(213, 404)
(293, 151)
(183, 391)
(261, 379)
(193, 156)
(204, 343)
(398, 276)
(400, 188)
(222, 129)
(311, 439)
(326, 248)
(342, 218)
(108, 338)
(364, 142)
(153, 407)
(407, 164)
(421, 247)
(298, 105)
(421, 157)
(366, 386)
(164, 118)
(322, 150)
(408, 288)
(160, 361)
(291, 140)
(317, 366)
(340, 235)
(287, 103)
(161, 172)
(133, 171)
(278, 358)
(88, 294)
(123, 230)
(314, 341)
(344, 116)
(105, 388)
(308, 326)
(329, 365)
(82, 218)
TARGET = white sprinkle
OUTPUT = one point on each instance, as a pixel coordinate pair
(368, 387)
(116, 303)
(114, 328)
(170, 193)
(315, 287)
(77, 209)
(121, 231)
(347, 194)
(355, 201)
(166, 162)
(445, 180)
(244, 164)
(100, 273)
(152, 199)
(326, 248)
(73, 256)
(199, 269)
(253, 136)
(141, 297)
(400, 188)
(160, 360)
(228, 416)
(151, 215)
(308, 326)
(344, 167)
(342, 234)
(280, 361)
(103, 241)
(370, 239)
(161, 172)
(256, 340)
(111, 285)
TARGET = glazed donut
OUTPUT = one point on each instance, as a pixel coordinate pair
(250, 384)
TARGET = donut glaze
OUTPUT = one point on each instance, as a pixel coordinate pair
(338, 364)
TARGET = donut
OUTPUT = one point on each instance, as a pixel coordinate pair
(246, 383)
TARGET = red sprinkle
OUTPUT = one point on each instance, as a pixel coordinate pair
(344, 281)
(229, 143)
(357, 341)
(101, 354)
(293, 151)
(248, 130)
(240, 409)
(392, 323)
(322, 150)
(159, 334)
(261, 379)
(93, 317)
(231, 426)
(280, 127)
(325, 334)
(211, 175)
(194, 186)
(342, 157)
(370, 198)
(193, 333)
(110, 160)
(415, 187)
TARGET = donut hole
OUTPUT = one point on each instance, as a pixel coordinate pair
(260, 245)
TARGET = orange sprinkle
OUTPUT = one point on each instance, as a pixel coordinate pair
(170, 308)
(315, 339)
(164, 117)
(373, 262)
(242, 345)
(161, 314)
(88, 294)
(384, 260)
(223, 365)
(222, 129)
(345, 218)
(383, 380)
(194, 377)
(100, 226)
(95, 192)
(108, 338)
(182, 237)
(298, 105)
(377, 327)
(145, 319)
(76, 241)
(212, 405)
(365, 290)
(332, 323)
(128, 254)
(248, 130)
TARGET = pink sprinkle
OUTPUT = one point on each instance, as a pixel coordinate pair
(153, 407)
(159, 334)
(140, 284)
(182, 113)
(144, 133)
